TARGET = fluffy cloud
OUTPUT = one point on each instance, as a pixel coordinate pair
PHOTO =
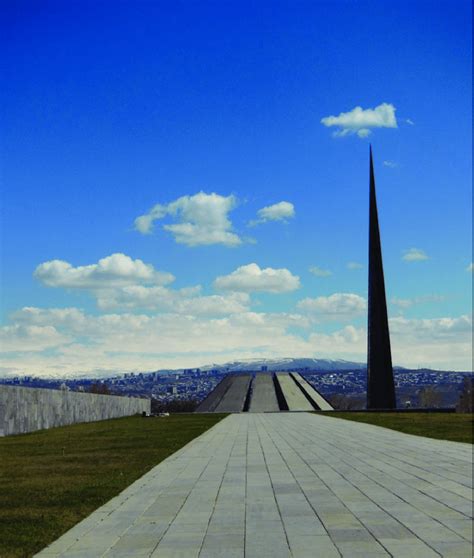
(359, 121)
(349, 343)
(338, 306)
(444, 343)
(201, 219)
(124, 342)
(354, 265)
(440, 343)
(415, 255)
(68, 341)
(27, 338)
(404, 303)
(72, 319)
(183, 301)
(277, 212)
(120, 283)
(251, 278)
(434, 329)
(319, 272)
(113, 271)
(390, 164)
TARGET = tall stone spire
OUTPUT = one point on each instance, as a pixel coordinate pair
(380, 385)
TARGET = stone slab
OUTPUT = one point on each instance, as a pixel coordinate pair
(294, 397)
(321, 403)
(264, 398)
(234, 398)
(209, 404)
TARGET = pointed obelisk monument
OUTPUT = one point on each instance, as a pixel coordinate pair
(380, 385)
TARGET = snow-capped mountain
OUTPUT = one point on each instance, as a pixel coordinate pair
(286, 364)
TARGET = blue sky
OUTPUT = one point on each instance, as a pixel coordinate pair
(217, 114)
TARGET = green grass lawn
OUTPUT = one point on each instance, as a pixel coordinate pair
(51, 479)
(457, 427)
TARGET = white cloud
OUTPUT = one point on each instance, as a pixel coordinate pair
(354, 265)
(127, 342)
(409, 121)
(338, 306)
(415, 255)
(434, 329)
(439, 343)
(277, 212)
(138, 296)
(363, 133)
(70, 319)
(215, 305)
(390, 164)
(404, 303)
(120, 283)
(349, 343)
(319, 272)
(470, 267)
(144, 223)
(359, 121)
(251, 278)
(444, 343)
(113, 271)
(183, 301)
(26, 338)
(69, 342)
(202, 219)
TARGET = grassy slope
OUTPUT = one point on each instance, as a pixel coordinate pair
(457, 427)
(51, 479)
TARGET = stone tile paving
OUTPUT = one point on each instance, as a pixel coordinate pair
(289, 485)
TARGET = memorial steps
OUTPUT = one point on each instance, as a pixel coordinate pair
(312, 393)
(263, 392)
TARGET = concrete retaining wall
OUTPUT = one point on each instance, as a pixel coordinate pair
(28, 409)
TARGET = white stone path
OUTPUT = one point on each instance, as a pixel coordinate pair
(289, 485)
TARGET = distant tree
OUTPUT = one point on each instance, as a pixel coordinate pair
(342, 402)
(430, 397)
(100, 388)
(466, 397)
(174, 406)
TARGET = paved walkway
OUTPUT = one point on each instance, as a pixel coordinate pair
(289, 484)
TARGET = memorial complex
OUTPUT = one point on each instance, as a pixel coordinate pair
(263, 483)
(263, 393)
(285, 391)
